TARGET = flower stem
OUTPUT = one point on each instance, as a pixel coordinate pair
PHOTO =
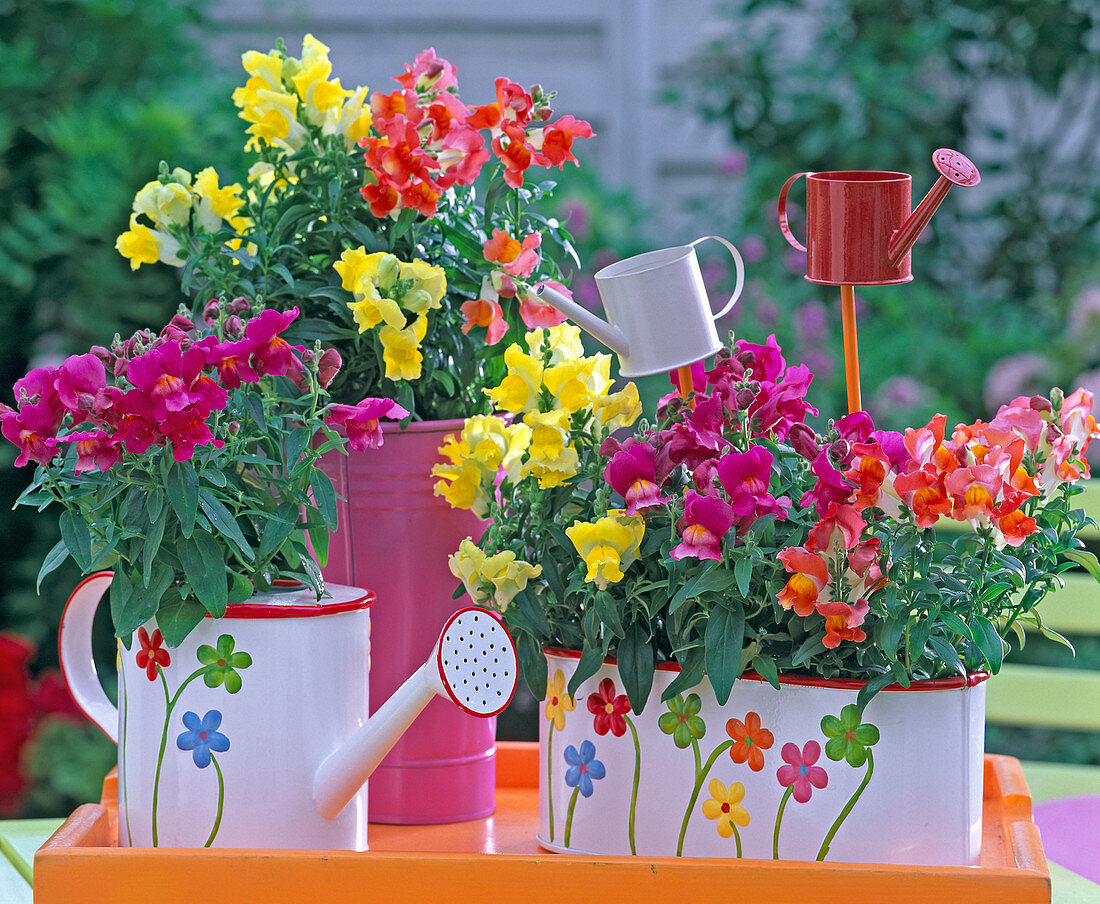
(637, 775)
(169, 705)
(779, 819)
(569, 814)
(221, 800)
(824, 850)
(549, 776)
(736, 838)
(700, 777)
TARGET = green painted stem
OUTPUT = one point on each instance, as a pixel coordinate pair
(700, 777)
(779, 819)
(824, 850)
(637, 775)
(737, 838)
(221, 800)
(569, 814)
(169, 705)
(549, 775)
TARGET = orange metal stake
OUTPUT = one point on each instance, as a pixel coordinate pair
(686, 383)
(851, 347)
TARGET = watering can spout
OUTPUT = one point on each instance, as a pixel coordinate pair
(607, 333)
(954, 169)
(459, 668)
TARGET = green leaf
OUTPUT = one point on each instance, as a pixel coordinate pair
(765, 668)
(77, 539)
(154, 504)
(277, 528)
(178, 619)
(532, 663)
(1086, 560)
(54, 558)
(142, 602)
(722, 641)
(608, 612)
(121, 590)
(637, 660)
(948, 655)
(712, 579)
(204, 566)
(988, 641)
(871, 688)
(295, 445)
(151, 547)
(591, 659)
(319, 536)
(692, 670)
(808, 648)
(183, 494)
(224, 523)
(743, 573)
(956, 624)
(324, 497)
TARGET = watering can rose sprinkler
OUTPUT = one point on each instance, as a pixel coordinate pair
(860, 232)
(267, 743)
(660, 315)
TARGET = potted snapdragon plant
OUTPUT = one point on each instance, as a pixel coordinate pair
(751, 638)
(184, 463)
(405, 225)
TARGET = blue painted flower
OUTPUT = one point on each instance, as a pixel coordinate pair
(583, 768)
(202, 737)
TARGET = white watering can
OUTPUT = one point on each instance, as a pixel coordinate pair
(274, 697)
(660, 315)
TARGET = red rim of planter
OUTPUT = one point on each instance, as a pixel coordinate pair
(848, 684)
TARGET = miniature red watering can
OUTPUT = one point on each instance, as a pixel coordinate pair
(859, 229)
(660, 314)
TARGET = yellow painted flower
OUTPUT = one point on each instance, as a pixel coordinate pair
(401, 349)
(577, 383)
(608, 547)
(166, 204)
(558, 702)
(142, 245)
(620, 409)
(214, 204)
(564, 342)
(725, 806)
(519, 391)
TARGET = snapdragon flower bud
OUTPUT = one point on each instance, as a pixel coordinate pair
(389, 269)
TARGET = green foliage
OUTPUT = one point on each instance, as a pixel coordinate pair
(64, 762)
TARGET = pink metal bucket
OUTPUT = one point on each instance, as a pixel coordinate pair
(396, 534)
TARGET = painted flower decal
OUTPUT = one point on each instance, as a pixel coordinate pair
(848, 737)
(558, 702)
(609, 709)
(749, 741)
(682, 720)
(799, 771)
(583, 767)
(724, 805)
(152, 653)
(222, 664)
(202, 737)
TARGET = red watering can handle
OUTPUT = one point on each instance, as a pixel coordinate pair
(784, 226)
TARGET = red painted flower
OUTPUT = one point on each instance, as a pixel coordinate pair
(799, 770)
(152, 653)
(749, 741)
(609, 709)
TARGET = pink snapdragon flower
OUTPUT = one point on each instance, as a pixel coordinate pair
(765, 361)
(831, 485)
(837, 530)
(95, 450)
(535, 313)
(745, 477)
(78, 380)
(778, 406)
(33, 429)
(692, 441)
(272, 354)
(632, 473)
(705, 521)
(361, 422)
(165, 374)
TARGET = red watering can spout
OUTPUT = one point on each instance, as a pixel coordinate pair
(954, 169)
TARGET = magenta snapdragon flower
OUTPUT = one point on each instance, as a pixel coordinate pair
(705, 521)
(745, 477)
(632, 473)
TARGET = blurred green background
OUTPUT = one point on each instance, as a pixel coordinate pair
(1006, 299)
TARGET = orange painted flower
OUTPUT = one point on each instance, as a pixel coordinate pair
(809, 575)
(749, 741)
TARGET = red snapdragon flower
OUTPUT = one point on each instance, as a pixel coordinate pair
(361, 422)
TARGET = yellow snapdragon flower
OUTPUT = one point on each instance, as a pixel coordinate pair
(608, 547)
(564, 339)
(401, 349)
(465, 482)
(576, 383)
(519, 391)
(142, 245)
(495, 445)
(352, 118)
(166, 204)
(503, 572)
(214, 203)
(430, 280)
(620, 409)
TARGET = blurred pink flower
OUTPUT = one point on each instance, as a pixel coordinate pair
(821, 362)
(811, 322)
(753, 249)
(577, 216)
(898, 393)
(1084, 312)
(733, 163)
(1015, 375)
(794, 261)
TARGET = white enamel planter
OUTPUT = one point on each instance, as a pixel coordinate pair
(754, 778)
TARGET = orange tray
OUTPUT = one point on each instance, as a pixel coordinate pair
(498, 859)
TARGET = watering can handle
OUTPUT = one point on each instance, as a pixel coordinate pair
(784, 226)
(738, 263)
(74, 645)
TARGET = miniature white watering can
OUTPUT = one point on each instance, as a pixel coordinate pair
(660, 314)
(274, 697)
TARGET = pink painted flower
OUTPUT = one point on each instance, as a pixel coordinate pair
(516, 257)
(632, 473)
(856, 427)
(745, 477)
(361, 422)
(799, 771)
(131, 414)
(33, 429)
(705, 522)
